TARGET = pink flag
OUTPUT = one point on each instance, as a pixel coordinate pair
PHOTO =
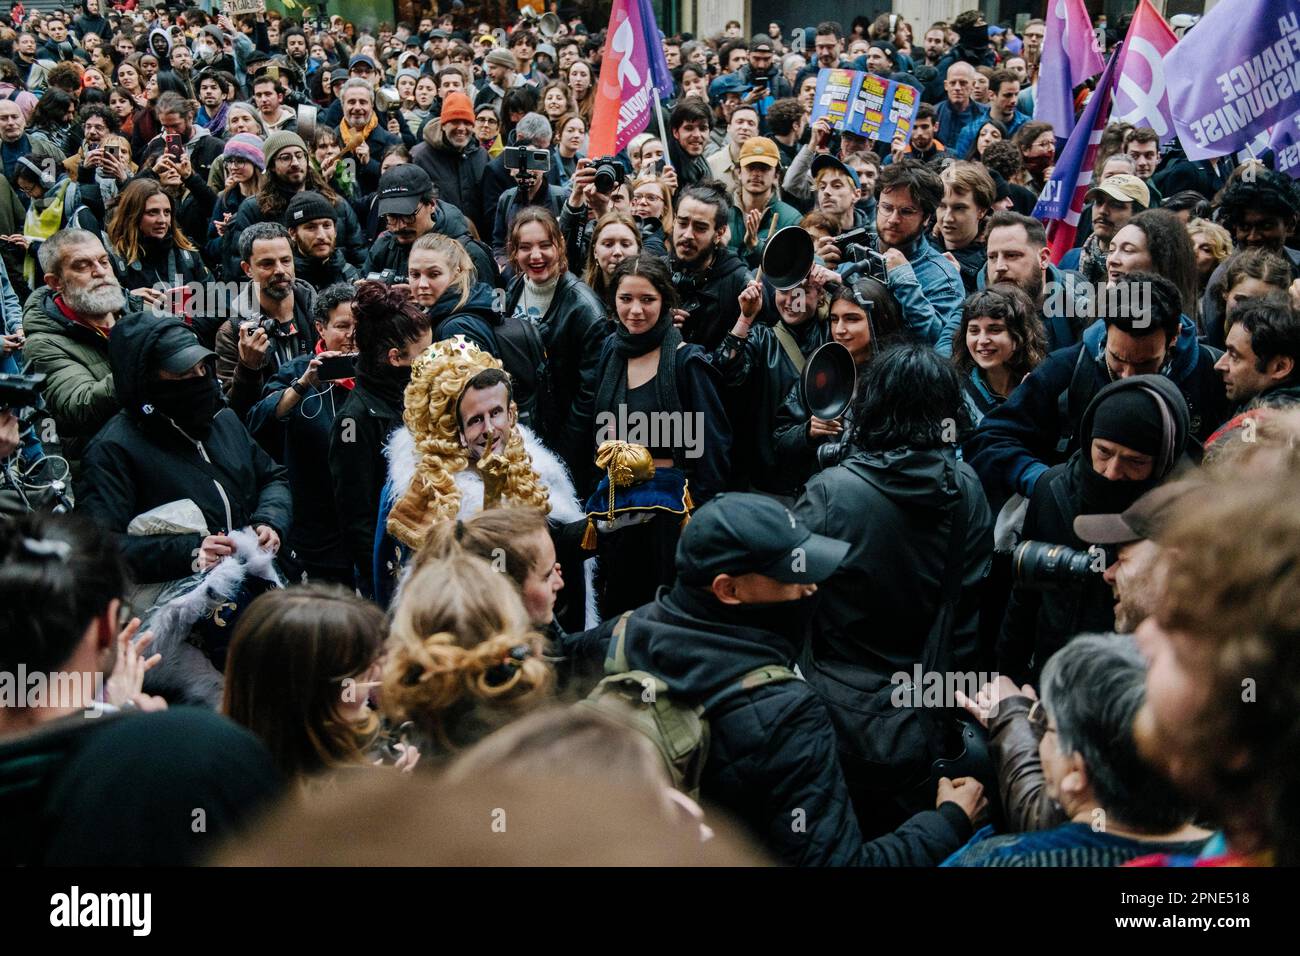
(1141, 97)
(1069, 57)
(625, 91)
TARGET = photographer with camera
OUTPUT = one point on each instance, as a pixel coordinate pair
(906, 594)
(533, 188)
(927, 286)
(1132, 437)
(408, 204)
(272, 321)
(708, 276)
(599, 186)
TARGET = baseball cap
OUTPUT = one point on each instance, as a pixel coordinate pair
(362, 59)
(1144, 519)
(177, 349)
(338, 75)
(742, 533)
(439, 34)
(1124, 188)
(760, 42)
(827, 161)
(402, 188)
(727, 83)
(759, 149)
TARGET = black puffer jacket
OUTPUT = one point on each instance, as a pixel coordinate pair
(141, 460)
(573, 330)
(388, 253)
(320, 274)
(475, 320)
(458, 173)
(772, 748)
(1039, 623)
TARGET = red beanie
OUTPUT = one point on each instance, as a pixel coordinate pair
(456, 107)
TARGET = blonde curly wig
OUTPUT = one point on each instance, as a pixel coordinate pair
(439, 378)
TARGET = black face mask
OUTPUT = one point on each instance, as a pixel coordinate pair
(191, 403)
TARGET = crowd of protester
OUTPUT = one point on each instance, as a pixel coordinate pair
(331, 472)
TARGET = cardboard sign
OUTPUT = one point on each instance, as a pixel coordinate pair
(866, 104)
(236, 7)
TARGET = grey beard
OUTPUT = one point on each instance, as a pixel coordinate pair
(98, 302)
(278, 293)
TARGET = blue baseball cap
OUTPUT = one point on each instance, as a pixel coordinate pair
(827, 161)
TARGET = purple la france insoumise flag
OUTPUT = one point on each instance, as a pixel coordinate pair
(625, 91)
(660, 75)
(1234, 74)
(1062, 196)
(1285, 143)
(1069, 57)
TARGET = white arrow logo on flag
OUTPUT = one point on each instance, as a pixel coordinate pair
(625, 43)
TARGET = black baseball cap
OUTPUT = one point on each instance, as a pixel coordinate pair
(1144, 519)
(741, 533)
(177, 349)
(827, 161)
(402, 188)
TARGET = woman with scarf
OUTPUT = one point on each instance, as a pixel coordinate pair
(1134, 436)
(150, 253)
(242, 164)
(998, 342)
(654, 390)
(54, 203)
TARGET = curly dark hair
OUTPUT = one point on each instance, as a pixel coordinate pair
(1268, 192)
(1015, 309)
(386, 319)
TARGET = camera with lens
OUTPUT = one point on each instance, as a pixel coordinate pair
(609, 175)
(1039, 566)
(519, 161)
(688, 286)
(20, 391)
(853, 245)
(387, 277)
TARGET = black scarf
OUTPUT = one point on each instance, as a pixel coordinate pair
(611, 387)
(1099, 495)
(389, 383)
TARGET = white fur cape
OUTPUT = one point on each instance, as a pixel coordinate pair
(403, 457)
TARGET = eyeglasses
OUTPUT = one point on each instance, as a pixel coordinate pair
(1039, 722)
(905, 212)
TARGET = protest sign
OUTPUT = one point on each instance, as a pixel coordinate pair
(1253, 83)
(236, 7)
(866, 104)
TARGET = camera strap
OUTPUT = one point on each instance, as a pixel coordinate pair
(791, 347)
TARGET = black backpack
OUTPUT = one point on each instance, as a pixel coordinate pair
(523, 354)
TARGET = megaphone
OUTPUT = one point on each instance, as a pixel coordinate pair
(788, 257)
(307, 122)
(387, 99)
(828, 381)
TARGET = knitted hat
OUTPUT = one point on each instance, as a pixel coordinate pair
(306, 206)
(216, 34)
(456, 107)
(246, 146)
(281, 140)
(413, 74)
(501, 58)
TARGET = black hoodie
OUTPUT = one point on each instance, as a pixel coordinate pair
(141, 460)
(475, 319)
(712, 298)
(772, 750)
(1039, 623)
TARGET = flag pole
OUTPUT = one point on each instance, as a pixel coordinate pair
(659, 117)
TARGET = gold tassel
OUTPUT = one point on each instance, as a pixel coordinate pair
(687, 503)
(589, 536)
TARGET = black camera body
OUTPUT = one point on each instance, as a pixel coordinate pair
(853, 245)
(387, 277)
(20, 391)
(609, 175)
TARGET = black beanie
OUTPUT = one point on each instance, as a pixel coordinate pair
(306, 206)
(1130, 417)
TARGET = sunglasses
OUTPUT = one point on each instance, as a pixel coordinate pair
(1039, 722)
